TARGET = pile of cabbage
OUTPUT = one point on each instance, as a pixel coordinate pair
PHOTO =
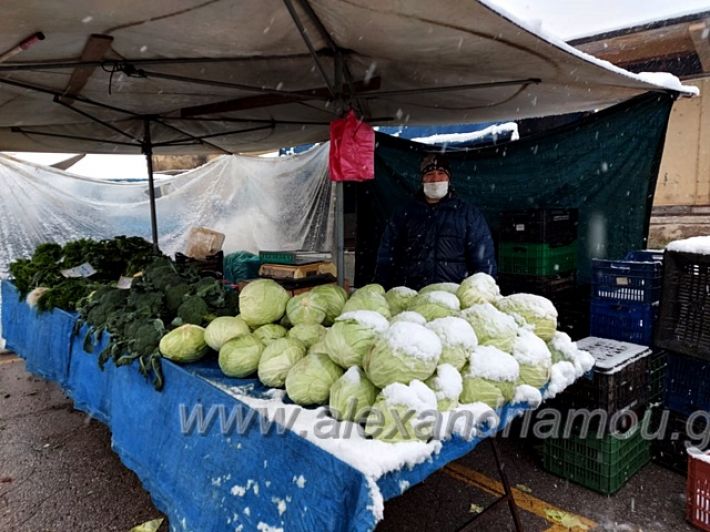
(377, 355)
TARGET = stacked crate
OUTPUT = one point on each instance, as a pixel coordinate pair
(625, 296)
(537, 254)
(623, 384)
(683, 330)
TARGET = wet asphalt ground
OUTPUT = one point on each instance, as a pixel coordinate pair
(58, 473)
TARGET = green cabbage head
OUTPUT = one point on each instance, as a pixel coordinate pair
(224, 328)
(451, 288)
(408, 315)
(319, 347)
(184, 344)
(399, 298)
(262, 301)
(309, 380)
(239, 357)
(457, 339)
(437, 304)
(535, 310)
(492, 326)
(334, 298)
(277, 359)
(447, 384)
(367, 298)
(306, 308)
(390, 418)
(352, 395)
(404, 352)
(478, 289)
(270, 332)
(352, 335)
(308, 333)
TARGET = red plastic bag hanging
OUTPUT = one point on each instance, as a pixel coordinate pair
(352, 149)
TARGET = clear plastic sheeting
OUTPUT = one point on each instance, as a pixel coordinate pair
(257, 202)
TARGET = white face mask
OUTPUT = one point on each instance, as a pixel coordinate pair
(436, 190)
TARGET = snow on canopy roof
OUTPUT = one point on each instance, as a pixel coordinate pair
(409, 62)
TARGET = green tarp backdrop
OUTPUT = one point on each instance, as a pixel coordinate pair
(605, 164)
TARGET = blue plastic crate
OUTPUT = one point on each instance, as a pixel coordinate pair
(627, 322)
(627, 281)
(687, 384)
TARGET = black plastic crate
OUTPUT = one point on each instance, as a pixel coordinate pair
(657, 373)
(557, 227)
(626, 280)
(687, 384)
(672, 433)
(627, 322)
(551, 287)
(645, 255)
(684, 322)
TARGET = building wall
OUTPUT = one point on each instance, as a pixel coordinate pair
(681, 205)
(684, 176)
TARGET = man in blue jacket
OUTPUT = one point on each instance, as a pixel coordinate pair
(436, 238)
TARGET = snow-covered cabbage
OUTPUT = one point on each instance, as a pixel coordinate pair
(563, 348)
(184, 344)
(457, 339)
(222, 329)
(277, 359)
(352, 335)
(308, 333)
(352, 395)
(437, 304)
(562, 375)
(334, 298)
(309, 380)
(477, 289)
(408, 315)
(262, 301)
(270, 332)
(399, 298)
(239, 357)
(405, 351)
(447, 384)
(535, 310)
(451, 288)
(369, 297)
(391, 418)
(489, 365)
(534, 358)
(492, 326)
(308, 307)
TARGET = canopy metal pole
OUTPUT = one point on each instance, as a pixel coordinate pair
(148, 151)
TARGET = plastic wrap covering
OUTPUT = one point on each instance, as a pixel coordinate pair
(257, 202)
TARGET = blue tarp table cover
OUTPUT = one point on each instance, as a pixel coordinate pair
(208, 480)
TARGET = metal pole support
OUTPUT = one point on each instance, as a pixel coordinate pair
(148, 151)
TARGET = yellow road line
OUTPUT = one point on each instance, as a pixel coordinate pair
(524, 501)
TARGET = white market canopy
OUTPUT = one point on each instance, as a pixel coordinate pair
(254, 75)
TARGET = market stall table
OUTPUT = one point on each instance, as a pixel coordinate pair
(207, 475)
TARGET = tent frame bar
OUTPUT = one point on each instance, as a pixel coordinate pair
(58, 100)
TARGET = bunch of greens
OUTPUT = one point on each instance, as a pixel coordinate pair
(111, 258)
(164, 297)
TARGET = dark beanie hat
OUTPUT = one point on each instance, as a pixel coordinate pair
(435, 161)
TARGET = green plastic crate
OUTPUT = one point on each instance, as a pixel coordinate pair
(600, 464)
(536, 259)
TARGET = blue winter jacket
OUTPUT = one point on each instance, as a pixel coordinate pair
(424, 244)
